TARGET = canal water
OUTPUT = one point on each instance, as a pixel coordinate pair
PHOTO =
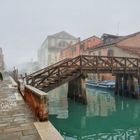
(105, 117)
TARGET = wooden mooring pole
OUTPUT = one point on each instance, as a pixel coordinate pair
(137, 88)
(127, 85)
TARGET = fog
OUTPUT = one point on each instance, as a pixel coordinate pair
(25, 24)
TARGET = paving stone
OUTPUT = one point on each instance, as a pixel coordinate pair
(1, 131)
(4, 124)
(22, 118)
(27, 125)
(11, 136)
(29, 132)
(16, 115)
(15, 129)
(7, 118)
(17, 123)
(30, 137)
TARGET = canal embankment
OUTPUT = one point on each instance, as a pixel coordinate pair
(17, 121)
(37, 101)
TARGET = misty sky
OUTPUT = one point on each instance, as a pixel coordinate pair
(24, 24)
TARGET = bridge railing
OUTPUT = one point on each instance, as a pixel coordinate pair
(83, 63)
(56, 73)
(41, 71)
(112, 63)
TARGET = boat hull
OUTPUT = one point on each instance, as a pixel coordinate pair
(99, 86)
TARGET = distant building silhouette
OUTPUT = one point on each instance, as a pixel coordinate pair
(1, 60)
(49, 52)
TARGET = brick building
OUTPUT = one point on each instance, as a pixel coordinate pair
(121, 46)
(80, 47)
(125, 46)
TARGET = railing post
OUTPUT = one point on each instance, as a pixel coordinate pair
(112, 64)
(26, 78)
(80, 60)
(58, 74)
(81, 63)
(33, 81)
(125, 63)
(97, 64)
(138, 66)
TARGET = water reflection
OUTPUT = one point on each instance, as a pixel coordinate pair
(58, 103)
(105, 117)
(100, 103)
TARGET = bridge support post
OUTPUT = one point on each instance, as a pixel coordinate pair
(136, 93)
(125, 85)
(116, 84)
(138, 84)
(77, 89)
(118, 87)
(131, 85)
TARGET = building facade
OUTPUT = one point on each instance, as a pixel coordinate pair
(80, 47)
(125, 46)
(49, 53)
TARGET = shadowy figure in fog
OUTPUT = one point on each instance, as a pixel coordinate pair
(1, 77)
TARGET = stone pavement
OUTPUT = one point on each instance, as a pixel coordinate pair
(16, 119)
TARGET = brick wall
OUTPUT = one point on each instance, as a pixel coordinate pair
(80, 47)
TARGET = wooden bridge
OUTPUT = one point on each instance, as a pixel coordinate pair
(74, 71)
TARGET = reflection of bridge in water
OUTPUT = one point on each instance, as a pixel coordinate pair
(99, 104)
(105, 117)
(74, 71)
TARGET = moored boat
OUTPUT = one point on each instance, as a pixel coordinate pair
(108, 84)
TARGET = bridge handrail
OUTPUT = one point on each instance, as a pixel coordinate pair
(82, 63)
(44, 69)
(54, 66)
(65, 61)
(70, 60)
(114, 58)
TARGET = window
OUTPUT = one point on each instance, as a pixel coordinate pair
(110, 52)
(73, 51)
(63, 44)
(52, 42)
(82, 47)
